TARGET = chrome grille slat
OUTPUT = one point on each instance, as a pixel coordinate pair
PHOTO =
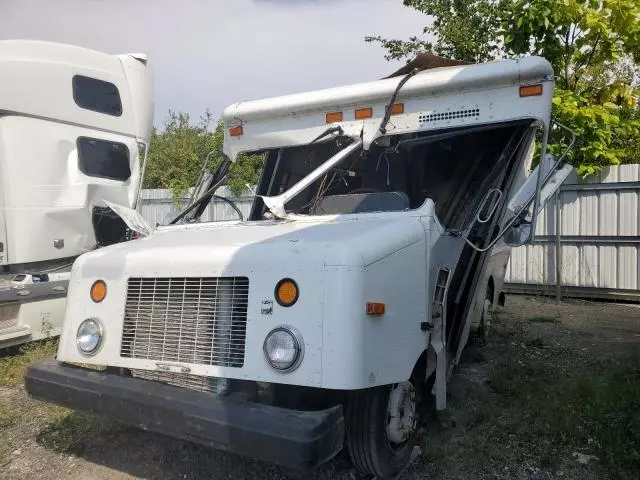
(186, 319)
(184, 380)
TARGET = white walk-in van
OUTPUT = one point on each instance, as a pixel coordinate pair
(327, 318)
(74, 129)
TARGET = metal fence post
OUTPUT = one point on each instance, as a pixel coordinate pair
(558, 249)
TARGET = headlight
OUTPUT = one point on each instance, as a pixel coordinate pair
(89, 336)
(283, 349)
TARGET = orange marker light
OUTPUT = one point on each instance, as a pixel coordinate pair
(362, 113)
(287, 292)
(98, 291)
(334, 117)
(236, 131)
(531, 90)
(375, 308)
(397, 108)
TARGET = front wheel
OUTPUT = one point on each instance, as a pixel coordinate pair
(381, 424)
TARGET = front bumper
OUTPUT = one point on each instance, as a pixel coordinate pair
(287, 437)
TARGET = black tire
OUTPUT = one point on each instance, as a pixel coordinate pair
(366, 435)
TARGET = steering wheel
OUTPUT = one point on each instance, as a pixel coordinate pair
(364, 190)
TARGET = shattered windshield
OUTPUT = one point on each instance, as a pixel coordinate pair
(452, 168)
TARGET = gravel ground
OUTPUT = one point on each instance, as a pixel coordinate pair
(489, 431)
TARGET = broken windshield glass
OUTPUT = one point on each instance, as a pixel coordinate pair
(453, 168)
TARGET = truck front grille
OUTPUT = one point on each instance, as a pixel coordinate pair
(186, 320)
(184, 380)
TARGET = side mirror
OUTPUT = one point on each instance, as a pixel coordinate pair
(518, 234)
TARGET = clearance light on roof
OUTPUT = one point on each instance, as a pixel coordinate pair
(362, 113)
(397, 108)
(334, 117)
(236, 131)
(531, 90)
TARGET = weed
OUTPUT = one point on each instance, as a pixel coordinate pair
(15, 361)
(595, 410)
(68, 431)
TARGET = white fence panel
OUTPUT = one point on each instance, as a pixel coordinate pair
(599, 238)
(158, 206)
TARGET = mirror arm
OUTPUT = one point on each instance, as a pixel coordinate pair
(479, 219)
(558, 163)
(517, 216)
(534, 198)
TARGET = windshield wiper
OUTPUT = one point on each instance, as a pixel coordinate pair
(201, 203)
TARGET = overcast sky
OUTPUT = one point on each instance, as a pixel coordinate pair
(210, 53)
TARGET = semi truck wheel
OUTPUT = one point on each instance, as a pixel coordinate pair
(381, 423)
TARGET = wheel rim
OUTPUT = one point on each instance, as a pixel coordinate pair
(401, 414)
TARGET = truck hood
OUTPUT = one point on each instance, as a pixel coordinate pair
(233, 247)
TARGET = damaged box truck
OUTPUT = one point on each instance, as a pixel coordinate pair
(325, 319)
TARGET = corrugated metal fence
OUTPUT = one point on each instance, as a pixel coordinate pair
(599, 236)
(157, 206)
(599, 240)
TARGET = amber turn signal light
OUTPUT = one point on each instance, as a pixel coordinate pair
(98, 291)
(334, 117)
(236, 131)
(362, 113)
(287, 292)
(531, 90)
(397, 108)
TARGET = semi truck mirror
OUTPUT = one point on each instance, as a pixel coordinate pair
(518, 234)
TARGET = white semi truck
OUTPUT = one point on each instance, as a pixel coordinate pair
(323, 320)
(74, 130)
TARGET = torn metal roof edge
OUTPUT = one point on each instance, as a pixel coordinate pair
(427, 61)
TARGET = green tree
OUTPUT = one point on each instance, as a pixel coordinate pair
(464, 30)
(593, 45)
(177, 153)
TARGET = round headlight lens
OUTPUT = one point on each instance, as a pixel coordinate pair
(283, 349)
(89, 336)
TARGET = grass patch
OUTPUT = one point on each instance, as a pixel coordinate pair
(12, 413)
(543, 319)
(9, 413)
(69, 431)
(14, 361)
(5, 454)
(594, 411)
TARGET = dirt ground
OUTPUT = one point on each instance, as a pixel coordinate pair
(553, 394)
